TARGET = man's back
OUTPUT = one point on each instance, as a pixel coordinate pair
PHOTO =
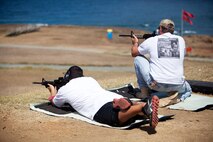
(85, 95)
(166, 57)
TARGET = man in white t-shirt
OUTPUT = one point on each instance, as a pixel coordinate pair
(164, 71)
(89, 99)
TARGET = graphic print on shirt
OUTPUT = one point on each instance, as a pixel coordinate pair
(168, 48)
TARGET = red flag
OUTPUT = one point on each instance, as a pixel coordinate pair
(186, 16)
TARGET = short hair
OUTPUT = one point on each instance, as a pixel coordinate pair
(167, 25)
(73, 72)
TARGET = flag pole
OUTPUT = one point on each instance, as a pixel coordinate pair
(182, 22)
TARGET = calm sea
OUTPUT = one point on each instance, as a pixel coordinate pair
(137, 14)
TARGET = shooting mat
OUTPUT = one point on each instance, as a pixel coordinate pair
(67, 111)
(194, 103)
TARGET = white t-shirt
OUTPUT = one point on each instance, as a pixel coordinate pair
(85, 95)
(167, 53)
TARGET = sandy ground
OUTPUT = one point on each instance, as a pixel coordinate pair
(87, 46)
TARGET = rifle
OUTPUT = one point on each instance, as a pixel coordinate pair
(145, 36)
(58, 83)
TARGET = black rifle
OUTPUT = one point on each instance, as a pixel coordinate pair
(145, 36)
(58, 83)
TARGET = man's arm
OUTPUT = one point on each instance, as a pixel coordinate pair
(59, 99)
(53, 92)
(134, 49)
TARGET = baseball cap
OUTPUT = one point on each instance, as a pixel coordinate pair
(167, 23)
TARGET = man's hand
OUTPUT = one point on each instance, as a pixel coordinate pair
(134, 40)
(53, 91)
(50, 87)
(134, 49)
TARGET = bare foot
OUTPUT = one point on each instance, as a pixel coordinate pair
(173, 99)
(122, 103)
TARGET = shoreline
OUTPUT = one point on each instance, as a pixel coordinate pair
(40, 25)
(187, 32)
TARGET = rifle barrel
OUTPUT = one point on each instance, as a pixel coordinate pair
(126, 35)
(37, 82)
(138, 36)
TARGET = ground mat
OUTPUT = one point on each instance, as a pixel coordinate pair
(67, 111)
(194, 103)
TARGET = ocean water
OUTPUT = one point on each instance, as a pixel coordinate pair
(136, 14)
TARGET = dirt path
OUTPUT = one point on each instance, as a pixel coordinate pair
(84, 50)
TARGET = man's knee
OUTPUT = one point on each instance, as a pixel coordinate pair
(186, 91)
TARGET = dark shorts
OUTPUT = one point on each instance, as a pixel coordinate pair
(107, 115)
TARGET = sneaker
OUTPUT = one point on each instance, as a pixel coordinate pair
(151, 110)
(122, 103)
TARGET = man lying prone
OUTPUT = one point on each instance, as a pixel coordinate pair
(89, 99)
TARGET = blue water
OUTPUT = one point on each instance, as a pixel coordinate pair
(137, 14)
